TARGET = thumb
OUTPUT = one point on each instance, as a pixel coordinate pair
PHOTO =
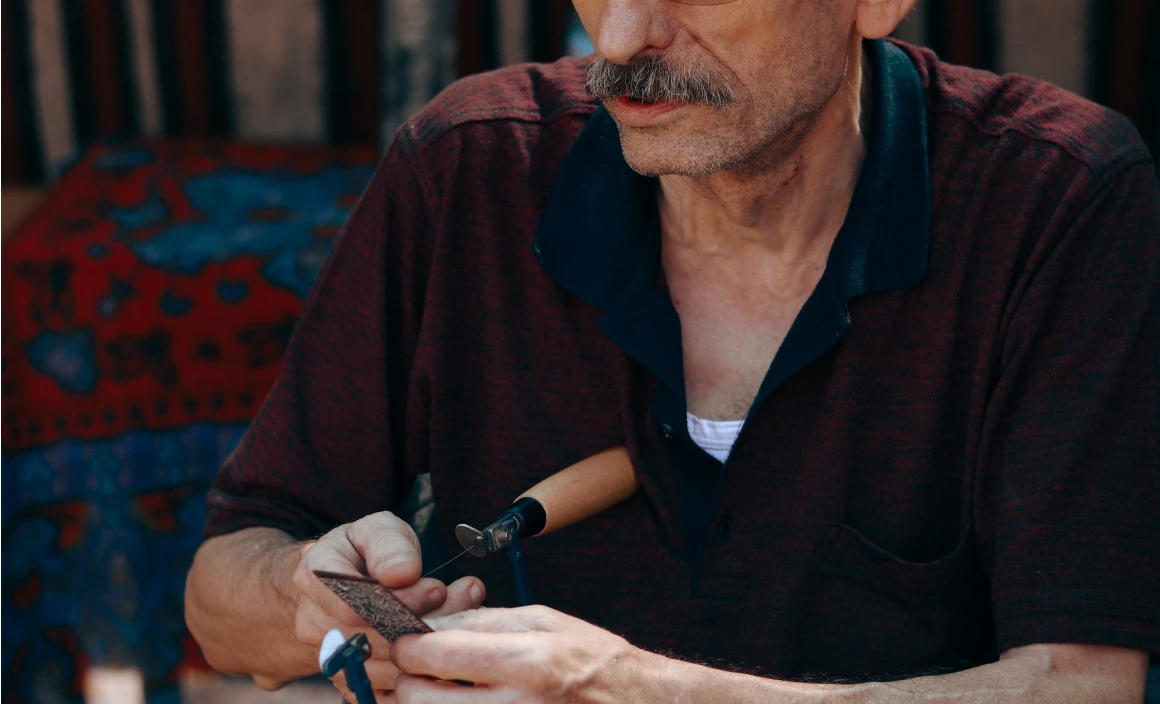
(389, 548)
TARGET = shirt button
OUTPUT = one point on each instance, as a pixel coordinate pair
(667, 433)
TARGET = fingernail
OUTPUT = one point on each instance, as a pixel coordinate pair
(476, 594)
(434, 598)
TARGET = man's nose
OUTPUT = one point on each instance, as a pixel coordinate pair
(629, 28)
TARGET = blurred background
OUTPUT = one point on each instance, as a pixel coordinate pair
(173, 174)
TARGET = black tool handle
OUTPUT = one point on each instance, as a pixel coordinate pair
(530, 515)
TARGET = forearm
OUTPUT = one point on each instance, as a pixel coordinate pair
(240, 606)
(1060, 674)
(1041, 673)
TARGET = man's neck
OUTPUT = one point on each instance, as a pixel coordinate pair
(791, 200)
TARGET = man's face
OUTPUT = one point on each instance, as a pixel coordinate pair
(697, 89)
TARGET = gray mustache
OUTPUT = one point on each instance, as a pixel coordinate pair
(653, 79)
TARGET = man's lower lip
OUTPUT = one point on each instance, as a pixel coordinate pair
(636, 114)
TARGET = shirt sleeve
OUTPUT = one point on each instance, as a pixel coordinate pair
(1068, 487)
(330, 443)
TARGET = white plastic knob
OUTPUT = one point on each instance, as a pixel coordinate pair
(330, 645)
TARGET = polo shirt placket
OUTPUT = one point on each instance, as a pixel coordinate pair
(600, 239)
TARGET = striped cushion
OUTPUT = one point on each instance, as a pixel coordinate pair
(309, 70)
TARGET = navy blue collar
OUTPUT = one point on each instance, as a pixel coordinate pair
(600, 235)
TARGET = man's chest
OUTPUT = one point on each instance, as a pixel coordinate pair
(726, 353)
(733, 322)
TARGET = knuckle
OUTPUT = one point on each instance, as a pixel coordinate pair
(382, 674)
(378, 521)
(377, 526)
(539, 616)
(394, 524)
(433, 659)
(316, 556)
(541, 655)
(409, 690)
(336, 534)
(404, 692)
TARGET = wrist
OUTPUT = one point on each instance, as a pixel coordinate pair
(665, 679)
(680, 682)
(284, 565)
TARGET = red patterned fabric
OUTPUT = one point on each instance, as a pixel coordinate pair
(160, 281)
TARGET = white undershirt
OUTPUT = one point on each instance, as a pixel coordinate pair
(714, 436)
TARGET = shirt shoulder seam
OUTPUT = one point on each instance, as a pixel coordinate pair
(502, 115)
(1121, 159)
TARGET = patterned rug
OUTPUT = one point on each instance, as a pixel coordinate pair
(146, 308)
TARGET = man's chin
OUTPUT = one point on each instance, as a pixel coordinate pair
(653, 153)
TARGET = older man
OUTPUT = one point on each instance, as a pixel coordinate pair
(880, 334)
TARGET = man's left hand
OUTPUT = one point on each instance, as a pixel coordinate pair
(535, 655)
(528, 655)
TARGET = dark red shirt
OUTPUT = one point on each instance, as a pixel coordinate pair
(956, 450)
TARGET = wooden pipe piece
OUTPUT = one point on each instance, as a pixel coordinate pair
(586, 488)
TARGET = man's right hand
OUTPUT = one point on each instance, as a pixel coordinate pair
(385, 548)
(255, 607)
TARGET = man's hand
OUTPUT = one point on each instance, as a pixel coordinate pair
(255, 607)
(384, 547)
(529, 655)
(534, 655)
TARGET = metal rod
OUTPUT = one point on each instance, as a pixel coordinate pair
(519, 570)
(358, 682)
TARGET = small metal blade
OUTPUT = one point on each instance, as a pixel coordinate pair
(472, 542)
(471, 539)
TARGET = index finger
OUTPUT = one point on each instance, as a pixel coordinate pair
(496, 620)
(483, 658)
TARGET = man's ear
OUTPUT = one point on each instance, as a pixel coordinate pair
(878, 18)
